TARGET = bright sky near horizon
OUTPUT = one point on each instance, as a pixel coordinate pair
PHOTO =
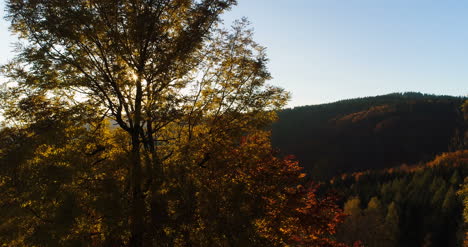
(327, 50)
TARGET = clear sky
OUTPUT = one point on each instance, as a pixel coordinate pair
(326, 50)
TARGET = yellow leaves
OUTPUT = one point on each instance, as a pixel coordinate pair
(89, 226)
(163, 190)
(4, 180)
(46, 151)
(231, 104)
(26, 204)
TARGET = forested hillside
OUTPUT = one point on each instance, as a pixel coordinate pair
(405, 206)
(151, 124)
(369, 133)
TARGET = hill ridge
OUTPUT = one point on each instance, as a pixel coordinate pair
(368, 133)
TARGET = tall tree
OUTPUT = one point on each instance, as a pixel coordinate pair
(68, 189)
(463, 193)
(392, 222)
(161, 69)
(351, 229)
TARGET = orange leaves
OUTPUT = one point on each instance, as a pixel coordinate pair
(291, 213)
(247, 196)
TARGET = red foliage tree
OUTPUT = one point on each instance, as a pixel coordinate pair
(285, 211)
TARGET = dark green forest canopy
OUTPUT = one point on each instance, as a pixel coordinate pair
(423, 199)
(371, 132)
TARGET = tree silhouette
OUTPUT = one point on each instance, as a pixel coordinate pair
(150, 66)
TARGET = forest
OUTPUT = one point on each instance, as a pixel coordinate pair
(397, 164)
(149, 123)
(370, 133)
(406, 205)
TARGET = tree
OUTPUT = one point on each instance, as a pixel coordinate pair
(463, 193)
(450, 201)
(262, 202)
(74, 183)
(374, 221)
(392, 221)
(460, 138)
(370, 226)
(351, 229)
(439, 195)
(160, 69)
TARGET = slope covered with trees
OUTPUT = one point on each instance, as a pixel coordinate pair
(463, 193)
(370, 133)
(405, 206)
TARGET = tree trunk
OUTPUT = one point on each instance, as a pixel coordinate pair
(158, 207)
(138, 204)
(137, 207)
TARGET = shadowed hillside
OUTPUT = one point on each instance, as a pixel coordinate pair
(368, 133)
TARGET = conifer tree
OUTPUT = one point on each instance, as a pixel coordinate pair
(392, 225)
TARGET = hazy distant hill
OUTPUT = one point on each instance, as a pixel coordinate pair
(367, 133)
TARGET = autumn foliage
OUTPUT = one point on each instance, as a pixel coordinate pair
(70, 188)
(406, 206)
(246, 196)
(291, 213)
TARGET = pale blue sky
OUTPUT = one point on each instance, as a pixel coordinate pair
(326, 50)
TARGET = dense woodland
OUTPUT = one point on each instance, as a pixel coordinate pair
(410, 151)
(146, 123)
(370, 133)
(405, 206)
